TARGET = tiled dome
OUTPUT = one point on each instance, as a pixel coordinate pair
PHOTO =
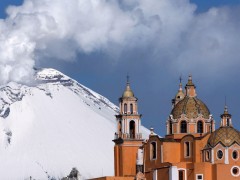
(191, 107)
(226, 135)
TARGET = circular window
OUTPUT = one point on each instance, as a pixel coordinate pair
(219, 154)
(235, 155)
(235, 171)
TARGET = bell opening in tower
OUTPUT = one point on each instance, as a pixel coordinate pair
(131, 108)
(125, 108)
(132, 129)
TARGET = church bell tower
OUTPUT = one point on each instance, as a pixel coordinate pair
(128, 137)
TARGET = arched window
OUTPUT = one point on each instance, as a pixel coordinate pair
(170, 127)
(125, 108)
(183, 127)
(181, 175)
(132, 129)
(153, 150)
(131, 108)
(199, 127)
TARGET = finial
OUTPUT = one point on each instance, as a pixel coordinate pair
(127, 78)
(180, 84)
(190, 77)
(225, 107)
(190, 83)
(180, 79)
(225, 100)
(151, 131)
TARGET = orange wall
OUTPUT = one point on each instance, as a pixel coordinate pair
(171, 152)
(125, 155)
(113, 178)
(223, 172)
(203, 168)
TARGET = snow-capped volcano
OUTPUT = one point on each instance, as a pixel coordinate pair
(53, 126)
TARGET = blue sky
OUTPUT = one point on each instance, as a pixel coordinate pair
(203, 5)
(6, 3)
(197, 39)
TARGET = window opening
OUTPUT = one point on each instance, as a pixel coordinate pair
(153, 150)
(131, 108)
(125, 108)
(235, 154)
(235, 171)
(187, 149)
(199, 177)
(120, 126)
(170, 127)
(183, 127)
(219, 154)
(132, 129)
(199, 127)
(228, 122)
(180, 175)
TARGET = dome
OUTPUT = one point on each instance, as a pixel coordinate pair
(191, 107)
(128, 92)
(226, 135)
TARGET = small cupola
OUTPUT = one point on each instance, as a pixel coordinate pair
(190, 88)
(180, 95)
(226, 120)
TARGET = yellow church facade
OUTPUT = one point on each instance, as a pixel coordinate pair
(191, 150)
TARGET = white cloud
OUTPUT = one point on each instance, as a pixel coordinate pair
(56, 29)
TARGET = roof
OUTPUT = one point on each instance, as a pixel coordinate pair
(128, 92)
(225, 135)
(191, 107)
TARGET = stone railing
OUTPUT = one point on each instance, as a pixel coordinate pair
(128, 136)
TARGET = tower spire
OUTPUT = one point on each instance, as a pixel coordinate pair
(180, 83)
(128, 79)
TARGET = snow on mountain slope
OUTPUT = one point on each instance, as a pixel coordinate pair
(53, 126)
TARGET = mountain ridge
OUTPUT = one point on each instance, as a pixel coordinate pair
(57, 124)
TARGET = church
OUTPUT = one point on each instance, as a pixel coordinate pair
(192, 148)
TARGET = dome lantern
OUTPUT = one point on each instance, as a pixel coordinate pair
(180, 94)
(226, 120)
(190, 88)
